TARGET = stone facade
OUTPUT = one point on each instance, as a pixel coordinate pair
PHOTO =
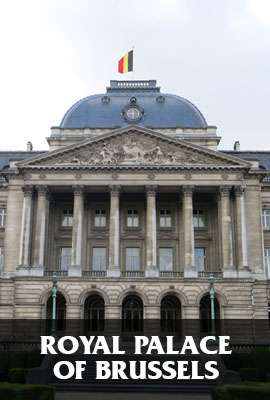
(173, 200)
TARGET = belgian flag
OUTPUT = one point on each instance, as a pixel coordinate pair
(125, 64)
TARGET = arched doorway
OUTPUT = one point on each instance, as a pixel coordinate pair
(60, 323)
(132, 314)
(94, 313)
(205, 314)
(170, 314)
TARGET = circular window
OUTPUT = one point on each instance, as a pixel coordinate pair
(133, 114)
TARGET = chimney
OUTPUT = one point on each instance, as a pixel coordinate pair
(29, 146)
(236, 146)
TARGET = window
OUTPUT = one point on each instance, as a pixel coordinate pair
(200, 258)
(267, 260)
(100, 218)
(133, 218)
(65, 258)
(1, 258)
(99, 259)
(165, 218)
(199, 220)
(166, 259)
(3, 215)
(67, 218)
(132, 259)
(266, 218)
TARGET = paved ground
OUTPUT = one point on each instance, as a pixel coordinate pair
(130, 396)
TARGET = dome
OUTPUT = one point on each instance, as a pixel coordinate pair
(133, 102)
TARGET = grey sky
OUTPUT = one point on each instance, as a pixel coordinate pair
(215, 53)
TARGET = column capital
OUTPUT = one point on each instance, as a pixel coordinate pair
(27, 190)
(239, 190)
(225, 190)
(78, 190)
(42, 190)
(187, 190)
(151, 190)
(115, 190)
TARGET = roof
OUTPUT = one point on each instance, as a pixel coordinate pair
(8, 156)
(157, 110)
(263, 157)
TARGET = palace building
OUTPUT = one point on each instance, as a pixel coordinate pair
(133, 207)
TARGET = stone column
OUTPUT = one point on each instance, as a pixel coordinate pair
(41, 227)
(226, 232)
(241, 233)
(77, 232)
(114, 240)
(151, 269)
(187, 204)
(26, 227)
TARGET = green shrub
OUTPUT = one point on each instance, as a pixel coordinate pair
(17, 375)
(249, 374)
(247, 391)
(9, 391)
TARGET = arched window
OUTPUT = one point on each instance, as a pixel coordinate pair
(205, 314)
(94, 313)
(60, 323)
(170, 314)
(132, 314)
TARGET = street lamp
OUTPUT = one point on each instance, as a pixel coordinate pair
(54, 295)
(211, 281)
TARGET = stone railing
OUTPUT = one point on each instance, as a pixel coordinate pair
(171, 274)
(206, 274)
(132, 274)
(58, 272)
(95, 274)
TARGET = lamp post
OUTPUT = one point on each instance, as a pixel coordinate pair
(211, 281)
(54, 296)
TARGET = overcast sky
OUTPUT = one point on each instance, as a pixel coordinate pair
(215, 53)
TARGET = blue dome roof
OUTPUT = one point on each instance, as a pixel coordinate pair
(156, 110)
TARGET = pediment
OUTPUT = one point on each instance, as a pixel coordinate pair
(133, 147)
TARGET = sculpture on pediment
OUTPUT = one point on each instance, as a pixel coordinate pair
(132, 149)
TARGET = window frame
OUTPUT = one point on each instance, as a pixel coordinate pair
(171, 213)
(127, 217)
(92, 258)
(196, 215)
(204, 258)
(2, 254)
(139, 257)
(100, 227)
(267, 260)
(3, 216)
(173, 258)
(60, 258)
(69, 216)
(265, 217)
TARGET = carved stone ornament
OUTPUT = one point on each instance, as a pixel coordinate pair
(27, 191)
(132, 148)
(77, 190)
(239, 190)
(78, 176)
(187, 190)
(115, 190)
(225, 190)
(42, 190)
(115, 176)
(151, 177)
(151, 190)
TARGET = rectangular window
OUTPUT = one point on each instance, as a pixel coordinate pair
(266, 218)
(65, 258)
(133, 218)
(165, 218)
(99, 259)
(132, 259)
(200, 258)
(100, 218)
(3, 215)
(199, 220)
(166, 259)
(1, 258)
(67, 218)
(267, 260)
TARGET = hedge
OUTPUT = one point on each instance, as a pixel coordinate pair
(247, 391)
(9, 391)
(17, 375)
(249, 374)
(18, 359)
